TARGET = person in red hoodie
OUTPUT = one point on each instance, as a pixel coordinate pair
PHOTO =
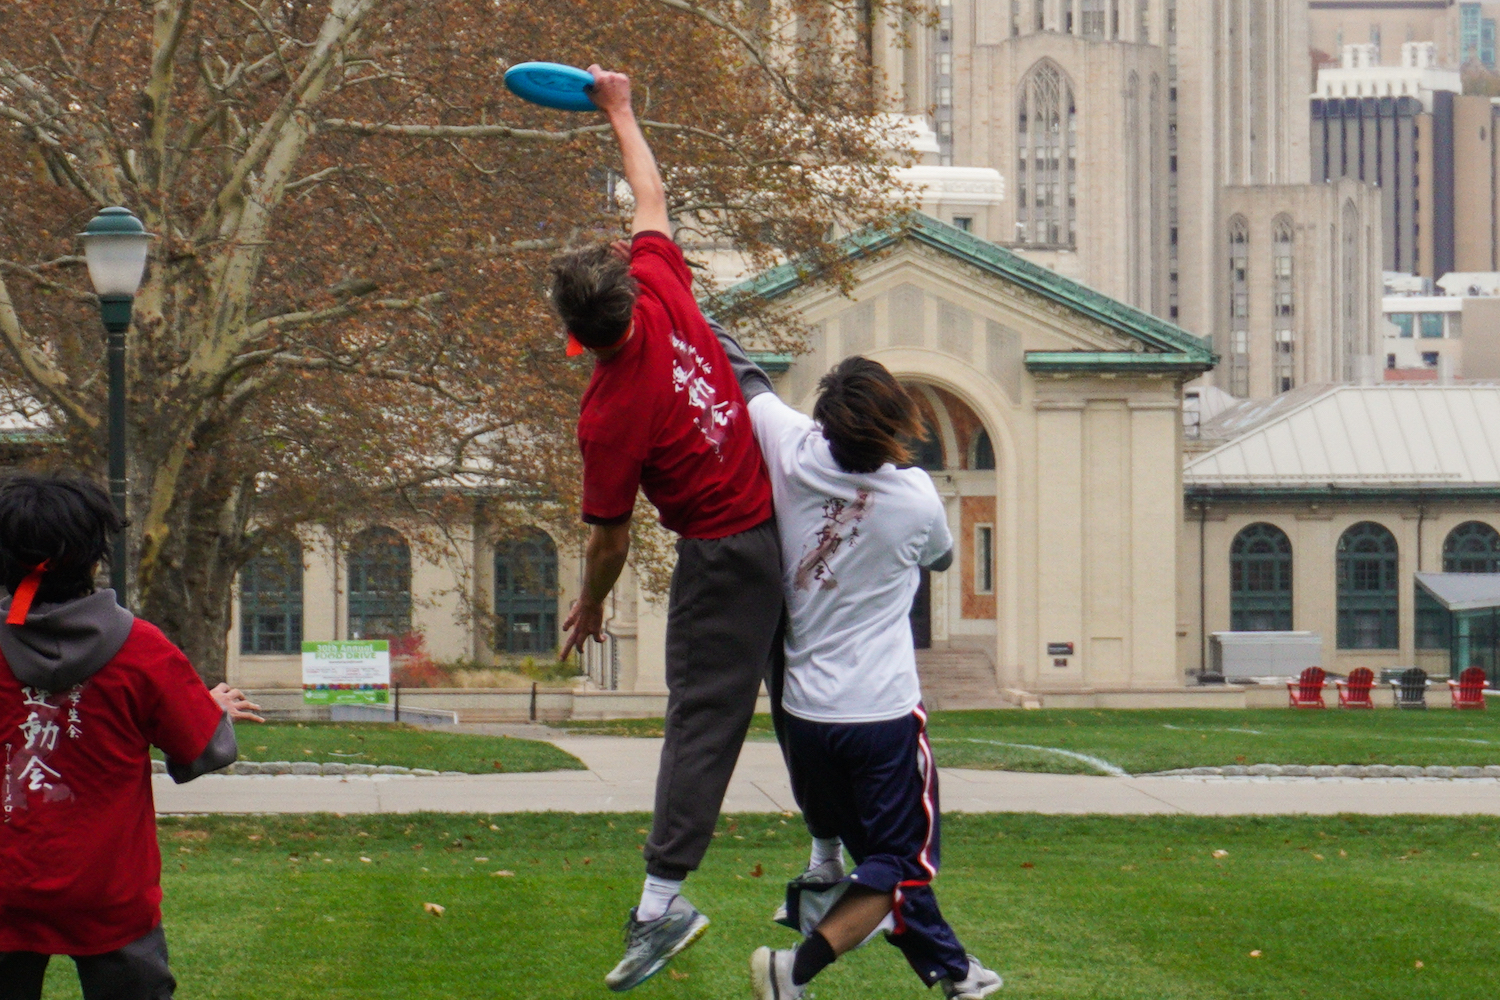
(86, 689)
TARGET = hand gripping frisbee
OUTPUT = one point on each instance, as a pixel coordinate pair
(552, 85)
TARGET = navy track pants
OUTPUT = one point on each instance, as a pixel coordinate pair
(875, 786)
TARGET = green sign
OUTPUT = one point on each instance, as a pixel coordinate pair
(346, 672)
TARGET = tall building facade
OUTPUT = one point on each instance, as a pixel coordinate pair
(1132, 133)
(1432, 151)
(1463, 31)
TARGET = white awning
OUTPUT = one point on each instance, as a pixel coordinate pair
(1463, 591)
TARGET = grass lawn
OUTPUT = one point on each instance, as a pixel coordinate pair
(402, 745)
(1066, 908)
(1144, 740)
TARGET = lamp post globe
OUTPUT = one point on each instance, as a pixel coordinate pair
(115, 244)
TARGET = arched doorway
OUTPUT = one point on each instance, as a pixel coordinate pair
(960, 454)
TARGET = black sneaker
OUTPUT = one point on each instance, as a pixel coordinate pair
(651, 944)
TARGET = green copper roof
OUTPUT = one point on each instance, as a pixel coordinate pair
(1174, 348)
(770, 362)
(1136, 362)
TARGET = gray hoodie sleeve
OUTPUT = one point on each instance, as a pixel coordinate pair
(222, 750)
(753, 380)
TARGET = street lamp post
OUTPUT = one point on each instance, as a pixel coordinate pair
(114, 243)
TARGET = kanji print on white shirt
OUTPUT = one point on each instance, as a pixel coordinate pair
(838, 514)
(689, 374)
(49, 718)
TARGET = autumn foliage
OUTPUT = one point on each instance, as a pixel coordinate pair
(343, 316)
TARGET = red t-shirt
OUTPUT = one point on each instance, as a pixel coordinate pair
(666, 415)
(80, 871)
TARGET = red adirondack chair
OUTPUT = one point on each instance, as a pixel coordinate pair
(1355, 692)
(1468, 690)
(1307, 690)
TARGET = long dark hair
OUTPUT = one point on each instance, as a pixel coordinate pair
(64, 519)
(865, 414)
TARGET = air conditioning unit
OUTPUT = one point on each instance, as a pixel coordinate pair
(1242, 655)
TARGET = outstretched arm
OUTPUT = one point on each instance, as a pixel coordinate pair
(752, 378)
(604, 558)
(612, 93)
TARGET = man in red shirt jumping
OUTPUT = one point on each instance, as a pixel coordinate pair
(86, 689)
(664, 413)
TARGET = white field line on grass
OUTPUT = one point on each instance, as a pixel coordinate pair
(1103, 765)
(1186, 729)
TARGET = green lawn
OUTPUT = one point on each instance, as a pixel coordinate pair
(1067, 908)
(402, 745)
(1141, 741)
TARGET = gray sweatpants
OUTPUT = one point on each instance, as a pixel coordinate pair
(723, 630)
(137, 971)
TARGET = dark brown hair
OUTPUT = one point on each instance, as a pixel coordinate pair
(865, 414)
(593, 293)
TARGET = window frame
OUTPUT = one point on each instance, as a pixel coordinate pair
(984, 559)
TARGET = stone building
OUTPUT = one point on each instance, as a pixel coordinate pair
(1317, 510)
(1462, 31)
(1132, 134)
(1432, 151)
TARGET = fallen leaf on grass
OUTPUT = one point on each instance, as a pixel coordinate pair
(1255, 953)
(499, 766)
(1027, 864)
(1127, 868)
(757, 871)
(1318, 857)
(1419, 963)
(1221, 854)
(494, 827)
(365, 859)
(436, 909)
(481, 859)
(502, 873)
(680, 976)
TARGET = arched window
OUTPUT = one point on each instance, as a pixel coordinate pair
(1472, 547)
(1260, 580)
(526, 594)
(982, 451)
(1284, 309)
(379, 585)
(1047, 140)
(271, 600)
(1367, 599)
(1239, 306)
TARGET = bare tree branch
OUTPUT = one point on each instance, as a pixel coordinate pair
(38, 367)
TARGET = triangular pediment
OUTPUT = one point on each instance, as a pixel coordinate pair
(1093, 331)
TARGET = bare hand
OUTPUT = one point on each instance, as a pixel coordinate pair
(583, 620)
(233, 701)
(611, 91)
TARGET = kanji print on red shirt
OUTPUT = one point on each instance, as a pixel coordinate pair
(689, 371)
(28, 767)
(838, 515)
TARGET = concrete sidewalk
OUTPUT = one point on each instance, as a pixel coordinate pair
(621, 777)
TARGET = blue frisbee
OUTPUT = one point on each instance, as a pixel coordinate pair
(552, 85)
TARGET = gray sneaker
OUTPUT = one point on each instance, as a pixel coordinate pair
(826, 875)
(981, 982)
(771, 975)
(650, 945)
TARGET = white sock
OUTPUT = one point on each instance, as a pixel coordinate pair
(656, 897)
(825, 849)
